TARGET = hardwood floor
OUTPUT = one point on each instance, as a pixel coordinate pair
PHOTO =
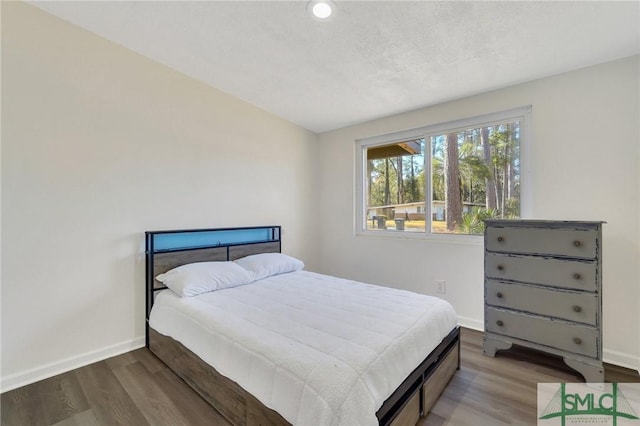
(503, 390)
(136, 389)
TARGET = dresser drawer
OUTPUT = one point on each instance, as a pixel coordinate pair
(571, 337)
(573, 274)
(569, 305)
(552, 242)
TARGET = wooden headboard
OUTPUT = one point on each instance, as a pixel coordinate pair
(166, 250)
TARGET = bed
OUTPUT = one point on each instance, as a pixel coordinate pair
(290, 346)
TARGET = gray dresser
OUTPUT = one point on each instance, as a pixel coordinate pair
(543, 290)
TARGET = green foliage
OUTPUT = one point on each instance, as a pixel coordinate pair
(473, 222)
(512, 208)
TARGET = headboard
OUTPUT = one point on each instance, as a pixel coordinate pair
(167, 249)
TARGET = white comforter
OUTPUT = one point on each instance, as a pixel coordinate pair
(317, 349)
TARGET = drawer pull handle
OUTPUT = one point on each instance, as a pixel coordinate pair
(576, 308)
(500, 239)
(577, 276)
(577, 243)
(577, 340)
(499, 295)
(500, 268)
(500, 323)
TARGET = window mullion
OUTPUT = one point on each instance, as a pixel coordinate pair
(428, 185)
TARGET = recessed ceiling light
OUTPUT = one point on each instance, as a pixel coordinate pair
(321, 9)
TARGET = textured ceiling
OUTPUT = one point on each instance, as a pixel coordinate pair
(373, 58)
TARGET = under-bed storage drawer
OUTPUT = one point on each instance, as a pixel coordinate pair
(410, 414)
(436, 383)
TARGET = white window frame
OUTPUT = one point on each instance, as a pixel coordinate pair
(523, 114)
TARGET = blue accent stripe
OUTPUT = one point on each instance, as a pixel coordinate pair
(195, 239)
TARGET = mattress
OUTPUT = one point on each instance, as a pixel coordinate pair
(316, 349)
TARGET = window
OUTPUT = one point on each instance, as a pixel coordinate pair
(442, 179)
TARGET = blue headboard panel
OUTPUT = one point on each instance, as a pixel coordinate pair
(164, 241)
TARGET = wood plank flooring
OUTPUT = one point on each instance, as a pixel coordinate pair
(503, 390)
(136, 389)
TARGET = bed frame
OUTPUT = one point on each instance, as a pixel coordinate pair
(167, 249)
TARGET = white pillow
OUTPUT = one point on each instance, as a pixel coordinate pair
(268, 264)
(201, 277)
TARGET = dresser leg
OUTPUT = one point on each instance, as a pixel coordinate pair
(490, 345)
(592, 373)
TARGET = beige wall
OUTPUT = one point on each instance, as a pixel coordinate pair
(99, 145)
(584, 165)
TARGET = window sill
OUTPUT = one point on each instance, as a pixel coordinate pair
(475, 240)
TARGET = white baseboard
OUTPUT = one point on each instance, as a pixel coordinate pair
(471, 323)
(621, 359)
(33, 375)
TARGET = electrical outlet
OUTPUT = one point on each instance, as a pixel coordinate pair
(441, 286)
